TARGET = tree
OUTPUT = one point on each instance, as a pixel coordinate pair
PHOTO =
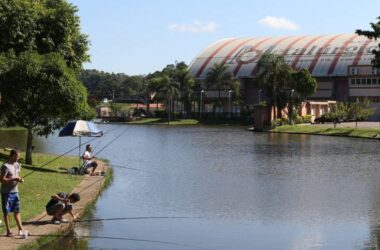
(220, 78)
(44, 26)
(169, 88)
(359, 111)
(375, 34)
(42, 94)
(338, 112)
(41, 49)
(273, 76)
(186, 83)
(302, 85)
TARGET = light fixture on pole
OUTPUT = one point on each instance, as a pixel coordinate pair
(200, 105)
(259, 96)
(229, 104)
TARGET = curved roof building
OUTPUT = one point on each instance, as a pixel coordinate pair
(323, 55)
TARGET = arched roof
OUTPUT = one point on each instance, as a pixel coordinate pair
(323, 55)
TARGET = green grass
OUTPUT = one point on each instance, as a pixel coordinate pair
(12, 128)
(38, 187)
(55, 239)
(310, 129)
(165, 121)
(205, 121)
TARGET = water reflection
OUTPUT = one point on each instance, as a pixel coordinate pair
(240, 190)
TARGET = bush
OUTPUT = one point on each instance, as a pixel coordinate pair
(306, 118)
(161, 114)
(298, 120)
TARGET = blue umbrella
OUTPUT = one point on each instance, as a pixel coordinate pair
(80, 128)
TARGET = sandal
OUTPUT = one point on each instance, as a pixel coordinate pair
(9, 234)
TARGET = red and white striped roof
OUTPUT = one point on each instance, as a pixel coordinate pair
(323, 55)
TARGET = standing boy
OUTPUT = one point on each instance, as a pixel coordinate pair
(10, 201)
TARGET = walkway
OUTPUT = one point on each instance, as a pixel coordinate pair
(40, 225)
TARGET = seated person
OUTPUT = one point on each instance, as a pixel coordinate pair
(89, 165)
(60, 204)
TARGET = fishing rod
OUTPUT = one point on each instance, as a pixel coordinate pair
(56, 158)
(66, 153)
(116, 137)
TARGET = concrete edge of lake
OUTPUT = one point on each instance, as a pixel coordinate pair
(40, 226)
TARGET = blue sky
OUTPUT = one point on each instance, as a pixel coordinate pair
(142, 36)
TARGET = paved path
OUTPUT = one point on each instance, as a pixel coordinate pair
(40, 225)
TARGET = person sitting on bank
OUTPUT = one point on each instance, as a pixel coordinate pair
(89, 165)
(61, 204)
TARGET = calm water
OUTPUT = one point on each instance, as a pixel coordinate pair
(234, 189)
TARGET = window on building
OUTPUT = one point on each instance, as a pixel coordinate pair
(363, 80)
(368, 80)
(374, 80)
(353, 81)
(354, 71)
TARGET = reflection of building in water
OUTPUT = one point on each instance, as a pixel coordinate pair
(340, 63)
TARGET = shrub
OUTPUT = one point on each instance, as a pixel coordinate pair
(306, 118)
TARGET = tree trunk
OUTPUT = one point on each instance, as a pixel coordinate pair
(29, 146)
(147, 103)
(274, 106)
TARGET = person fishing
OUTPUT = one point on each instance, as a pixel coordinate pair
(10, 201)
(89, 165)
(61, 204)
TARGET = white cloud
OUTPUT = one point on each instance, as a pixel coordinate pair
(278, 23)
(195, 27)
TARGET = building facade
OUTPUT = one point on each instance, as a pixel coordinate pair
(340, 63)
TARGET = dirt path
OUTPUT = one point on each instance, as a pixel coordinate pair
(40, 225)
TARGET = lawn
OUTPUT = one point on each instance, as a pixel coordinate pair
(37, 188)
(309, 129)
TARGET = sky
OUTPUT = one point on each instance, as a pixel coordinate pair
(138, 37)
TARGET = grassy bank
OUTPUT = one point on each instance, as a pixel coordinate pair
(12, 128)
(205, 121)
(310, 129)
(57, 241)
(38, 187)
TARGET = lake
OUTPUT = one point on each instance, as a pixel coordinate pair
(227, 188)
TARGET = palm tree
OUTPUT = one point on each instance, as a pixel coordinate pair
(169, 88)
(221, 78)
(273, 75)
(186, 82)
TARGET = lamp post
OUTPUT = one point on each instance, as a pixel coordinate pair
(200, 105)
(229, 104)
(259, 96)
(290, 111)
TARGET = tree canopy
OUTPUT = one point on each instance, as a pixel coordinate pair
(41, 51)
(373, 34)
(43, 26)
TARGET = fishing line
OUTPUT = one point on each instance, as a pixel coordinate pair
(113, 238)
(56, 158)
(116, 137)
(137, 169)
(135, 218)
(66, 153)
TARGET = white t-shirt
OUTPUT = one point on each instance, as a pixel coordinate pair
(87, 155)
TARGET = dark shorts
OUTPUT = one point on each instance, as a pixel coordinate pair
(10, 203)
(52, 210)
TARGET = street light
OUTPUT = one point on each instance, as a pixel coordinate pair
(259, 95)
(200, 105)
(229, 104)
(290, 111)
